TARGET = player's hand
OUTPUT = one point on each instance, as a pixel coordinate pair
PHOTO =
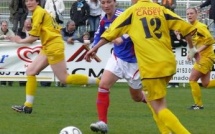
(16, 39)
(191, 53)
(90, 54)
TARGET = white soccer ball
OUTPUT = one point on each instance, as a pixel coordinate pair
(70, 130)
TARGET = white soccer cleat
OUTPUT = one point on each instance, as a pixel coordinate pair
(99, 126)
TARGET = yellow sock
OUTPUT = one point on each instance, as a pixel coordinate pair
(211, 84)
(196, 92)
(30, 90)
(161, 126)
(79, 79)
(172, 122)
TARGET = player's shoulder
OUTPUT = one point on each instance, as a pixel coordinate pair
(39, 10)
(201, 24)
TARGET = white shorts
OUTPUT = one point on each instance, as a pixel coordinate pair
(122, 69)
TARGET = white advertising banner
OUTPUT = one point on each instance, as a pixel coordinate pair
(15, 58)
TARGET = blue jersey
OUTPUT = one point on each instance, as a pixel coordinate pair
(125, 51)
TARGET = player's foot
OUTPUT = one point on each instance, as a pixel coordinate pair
(23, 109)
(99, 126)
(176, 86)
(169, 86)
(196, 107)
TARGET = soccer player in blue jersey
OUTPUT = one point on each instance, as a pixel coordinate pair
(121, 64)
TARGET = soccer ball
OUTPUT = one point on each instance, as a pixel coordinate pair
(70, 130)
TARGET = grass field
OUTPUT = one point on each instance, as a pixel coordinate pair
(57, 107)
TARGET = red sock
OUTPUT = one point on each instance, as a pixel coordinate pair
(102, 105)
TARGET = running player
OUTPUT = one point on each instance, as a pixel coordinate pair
(203, 41)
(48, 31)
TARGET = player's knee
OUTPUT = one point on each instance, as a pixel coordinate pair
(31, 72)
(205, 84)
(104, 85)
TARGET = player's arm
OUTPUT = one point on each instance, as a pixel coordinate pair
(29, 39)
(188, 38)
(206, 36)
(186, 29)
(91, 53)
(202, 48)
(98, 34)
(192, 50)
(102, 42)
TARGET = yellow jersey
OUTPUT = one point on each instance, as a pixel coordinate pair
(45, 27)
(148, 24)
(203, 37)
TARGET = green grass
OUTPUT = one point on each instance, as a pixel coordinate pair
(56, 107)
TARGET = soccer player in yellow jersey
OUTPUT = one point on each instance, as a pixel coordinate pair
(203, 41)
(47, 30)
(148, 26)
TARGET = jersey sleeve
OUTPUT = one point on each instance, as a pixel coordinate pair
(120, 26)
(203, 32)
(176, 23)
(98, 33)
(37, 18)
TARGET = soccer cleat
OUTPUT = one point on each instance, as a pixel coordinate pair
(99, 126)
(24, 109)
(195, 107)
(169, 86)
(176, 86)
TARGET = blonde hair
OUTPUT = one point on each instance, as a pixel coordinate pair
(193, 9)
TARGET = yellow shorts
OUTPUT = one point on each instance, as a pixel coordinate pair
(155, 88)
(204, 66)
(54, 52)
